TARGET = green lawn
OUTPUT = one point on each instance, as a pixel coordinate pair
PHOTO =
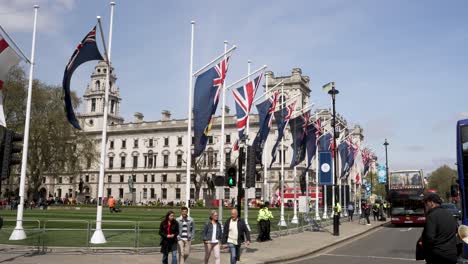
(133, 227)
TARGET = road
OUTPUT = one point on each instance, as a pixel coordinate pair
(388, 245)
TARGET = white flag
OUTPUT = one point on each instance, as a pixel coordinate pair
(8, 59)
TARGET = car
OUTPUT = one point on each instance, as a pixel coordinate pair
(453, 209)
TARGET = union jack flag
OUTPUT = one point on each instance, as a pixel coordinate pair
(244, 97)
(274, 101)
(91, 37)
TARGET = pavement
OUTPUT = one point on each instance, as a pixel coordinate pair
(281, 249)
(388, 245)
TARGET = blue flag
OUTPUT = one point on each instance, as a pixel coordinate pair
(282, 118)
(265, 113)
(205, 101)
(325, 168)
(298, 131)
(86, 51)
(344, 152)
(325, 142)
(311, 147)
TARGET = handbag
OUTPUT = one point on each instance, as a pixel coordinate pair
(419, 251)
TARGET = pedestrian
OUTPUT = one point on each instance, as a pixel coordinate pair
(212, 236)
(375, 211)
(350, 211)
(439, 237)
(111, 203)
(235, 233)
(367, 212)
(186, 234)
(263, 219)
(169, 230)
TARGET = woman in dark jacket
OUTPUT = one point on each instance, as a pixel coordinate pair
(168, 230)
(212, 236)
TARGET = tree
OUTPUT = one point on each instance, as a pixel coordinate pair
(55, 147)
(441, 179)
(201, 167)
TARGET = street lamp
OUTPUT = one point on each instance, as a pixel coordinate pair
(386, 164)
(336, 219)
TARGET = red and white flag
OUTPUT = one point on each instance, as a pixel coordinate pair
(8, 59)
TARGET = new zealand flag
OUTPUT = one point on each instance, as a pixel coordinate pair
(265, 113)
(86, 51)
(325, 142)
(206, 97)
(343, 151)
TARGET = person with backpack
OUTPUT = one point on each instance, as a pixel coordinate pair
(375, 212)
(169, 230)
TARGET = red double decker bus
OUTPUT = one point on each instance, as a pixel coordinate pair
(406, 193)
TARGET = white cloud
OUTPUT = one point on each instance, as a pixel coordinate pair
(18, 15)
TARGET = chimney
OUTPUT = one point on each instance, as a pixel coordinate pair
(165, 115)
(138, 117)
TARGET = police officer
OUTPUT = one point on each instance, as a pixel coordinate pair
(263, 219)
(337, 210)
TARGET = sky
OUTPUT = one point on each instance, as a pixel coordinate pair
(400, 66)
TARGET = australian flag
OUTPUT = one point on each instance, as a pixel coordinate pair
(282, 118)
(244, 97)
(265, 113)
(86, 51)
(298, 127)
(206, 97)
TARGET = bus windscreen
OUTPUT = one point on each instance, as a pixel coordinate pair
(406, 180)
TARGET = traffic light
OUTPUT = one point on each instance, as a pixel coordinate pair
(219, 181)
(231, 174)
(251, 172)
(11, 149)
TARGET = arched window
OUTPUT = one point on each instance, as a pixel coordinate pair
(98, 85)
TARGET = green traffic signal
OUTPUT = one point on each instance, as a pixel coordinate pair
(231, 176)
(231, 182)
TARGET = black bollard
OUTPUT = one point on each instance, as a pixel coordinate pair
(336, 225)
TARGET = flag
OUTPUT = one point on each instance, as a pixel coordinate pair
(8, 59)
(206, 97)
(325, 142)
(358, 167)
(298, 127)
(328, 86)
(311, 147)
(282, 118)
(265, 113)
(86, 51)
(244, 97)
(343, 152)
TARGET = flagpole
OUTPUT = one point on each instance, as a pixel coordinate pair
(18, 233)
(265, 147)
(246, 190)
(317, 200)
(14, 44)
(307, 197)
(282, 222)
(294, 219)
(98, 236)
(221, 147)
(189, 126)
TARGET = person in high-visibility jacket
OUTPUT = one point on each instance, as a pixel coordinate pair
(263, 219)
(337, 210)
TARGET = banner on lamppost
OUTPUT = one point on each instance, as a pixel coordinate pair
(382, 173)
(325, 168)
